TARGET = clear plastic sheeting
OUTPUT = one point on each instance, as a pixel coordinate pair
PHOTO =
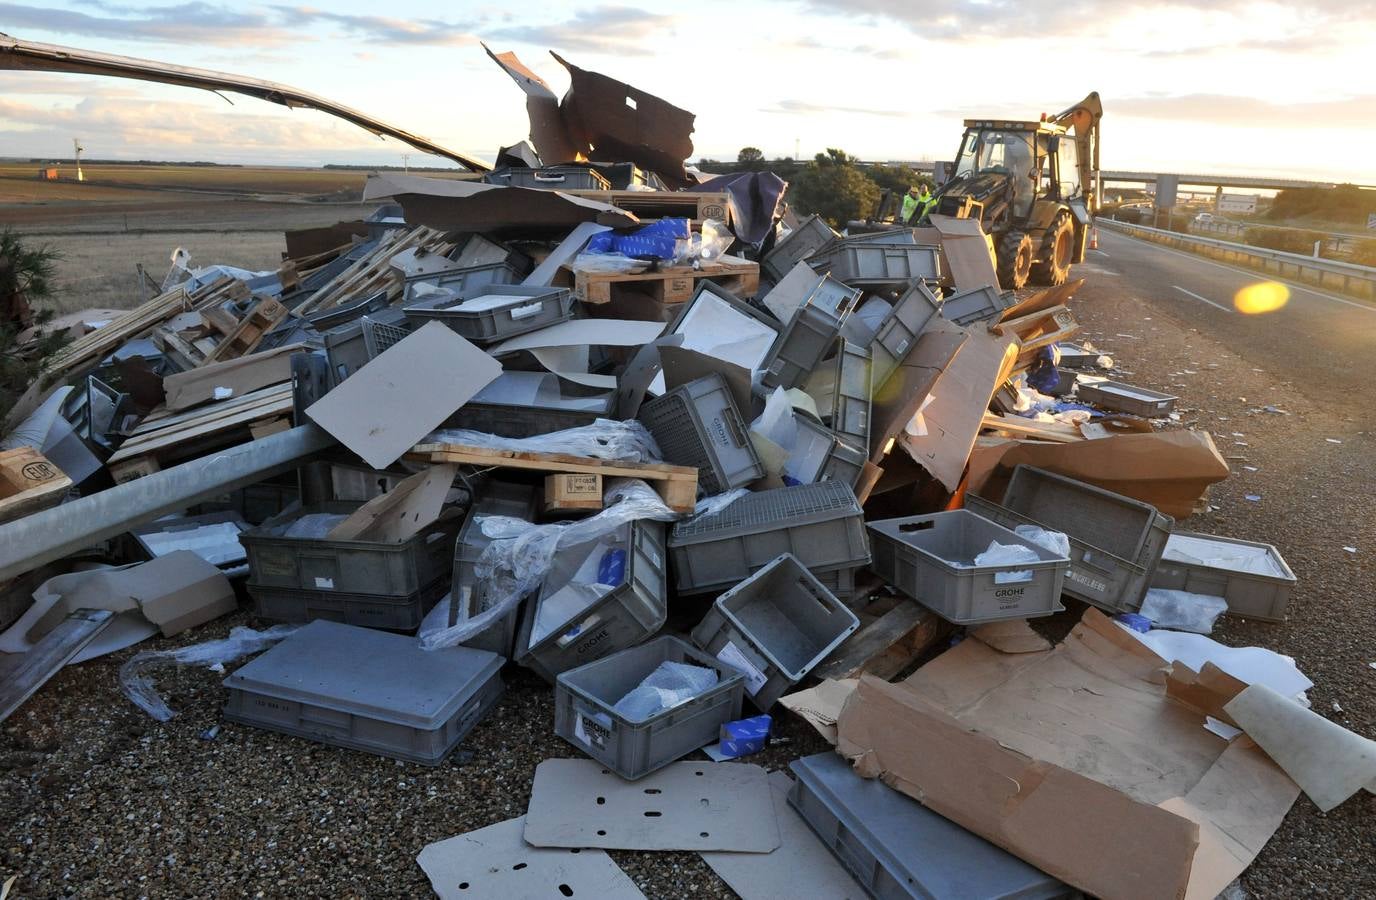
(667, 686)
(1006, 555)
(606, 264)
(1055, 541)
(521, 554)
(135, 675)
(710, 506)
(609, 439)
(1251, 559)
(312, 526)
(1182, 610)
(706, 246)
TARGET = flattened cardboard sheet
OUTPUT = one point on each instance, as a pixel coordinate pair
(683, 806)
(495, 862)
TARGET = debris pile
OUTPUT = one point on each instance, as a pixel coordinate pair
(697, 462)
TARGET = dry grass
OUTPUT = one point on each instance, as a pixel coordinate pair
(97, 271)
(236, 179)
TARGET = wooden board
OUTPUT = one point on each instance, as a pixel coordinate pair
(261, 319)
(674, 284)
(886, 645)
(677, 485)
(27, 672)
(651, 205)
(1042, 431)
(28, 483)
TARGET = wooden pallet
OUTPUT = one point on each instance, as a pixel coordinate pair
(649, 206)
(241, 341)
(674, 284)
(374, 272)
(894, 633)
(677, 485)
(165, 437)
(28, 483)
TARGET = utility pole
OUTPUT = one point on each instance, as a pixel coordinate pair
(405, 162)
(795, 148)
(76, 143)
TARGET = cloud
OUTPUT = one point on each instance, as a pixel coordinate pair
(956, 19)
(803, 108)
(1221, 109)
(1299, 43)
(608, 30)
(191, 23)
(384, 29)
(807, 44)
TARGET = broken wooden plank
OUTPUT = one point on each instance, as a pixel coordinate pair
(677, 485)
(908, 629)
(261, 319)
(30, 671)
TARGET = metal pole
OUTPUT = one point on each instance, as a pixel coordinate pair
(51, 534)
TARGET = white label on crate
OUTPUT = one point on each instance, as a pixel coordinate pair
(590, 731)
(653, 554)
(733, 657)
(1080, 578)
(324, 583)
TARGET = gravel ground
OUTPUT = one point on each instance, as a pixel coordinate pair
(102, 801)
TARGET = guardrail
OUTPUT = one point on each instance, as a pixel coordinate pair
(1349, 278)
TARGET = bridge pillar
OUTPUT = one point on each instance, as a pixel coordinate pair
(1218, 196)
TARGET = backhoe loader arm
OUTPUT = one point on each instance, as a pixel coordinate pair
(1083, 119)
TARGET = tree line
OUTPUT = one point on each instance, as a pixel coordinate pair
(834, 184)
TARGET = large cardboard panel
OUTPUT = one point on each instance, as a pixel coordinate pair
(387, 406)
(1075, 760)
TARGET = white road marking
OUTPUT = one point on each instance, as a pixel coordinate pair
(1203, 299)
(1253, 273)
(1100, 252)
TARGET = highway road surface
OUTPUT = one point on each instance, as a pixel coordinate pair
(1318, 341)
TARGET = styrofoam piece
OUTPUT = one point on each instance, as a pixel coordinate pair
(801, 865)
(366, 690)
(683, 806)
(496, 862)
(899, 849)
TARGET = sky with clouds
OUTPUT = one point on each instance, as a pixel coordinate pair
(1189, 85)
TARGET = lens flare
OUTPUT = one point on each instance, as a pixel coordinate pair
(1263, 297)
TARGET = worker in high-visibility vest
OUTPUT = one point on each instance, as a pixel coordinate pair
(911, 203)
(926, 201)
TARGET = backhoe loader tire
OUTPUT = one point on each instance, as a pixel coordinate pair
(1014, 258)
(1058, 249)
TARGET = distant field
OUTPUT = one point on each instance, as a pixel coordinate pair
(19, 181)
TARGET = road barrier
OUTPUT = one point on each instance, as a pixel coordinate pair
(1347, 278)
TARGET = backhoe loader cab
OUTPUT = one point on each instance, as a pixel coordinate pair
(1032, 186)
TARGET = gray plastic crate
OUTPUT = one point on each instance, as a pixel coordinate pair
(821, 524)
(1115, 541)
(1127, 398)
(697, 424)
(876, 264)
(841, 583)
(509, 420)
(468, 281)
(799, 347)
(979, 305)
(835, 459)
(350, 346)
(366, 610)
(811, 235)
(506, 311)
(367, 690)
(897, 335)
(775, 626)
(585, 697)
(931, 559)
(898, 849)
(1073, 356)
(556, 178)
(349, 567)
(629, 615)
(844, 394)
(468, 597)
(1220, 569)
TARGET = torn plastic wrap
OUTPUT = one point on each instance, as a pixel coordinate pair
(706, 246)
(710, 506)
(1183, 610)
(521, 554)
(608, 439)
(135, 675)
(669, 685)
